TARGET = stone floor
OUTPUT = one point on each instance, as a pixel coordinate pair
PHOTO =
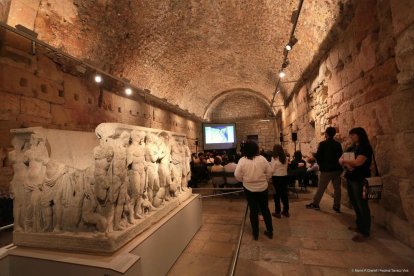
(308, 243)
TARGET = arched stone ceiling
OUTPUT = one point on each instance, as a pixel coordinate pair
(189, 51)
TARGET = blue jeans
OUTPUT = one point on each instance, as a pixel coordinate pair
(361, 207)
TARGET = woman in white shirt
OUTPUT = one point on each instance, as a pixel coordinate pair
(279, 166)
(254, 171)
(218, 181)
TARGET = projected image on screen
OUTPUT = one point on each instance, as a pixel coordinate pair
(219, 134)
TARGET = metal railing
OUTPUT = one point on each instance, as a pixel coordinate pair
(6, 227)
(233, 265)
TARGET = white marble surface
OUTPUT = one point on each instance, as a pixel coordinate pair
(77, 191)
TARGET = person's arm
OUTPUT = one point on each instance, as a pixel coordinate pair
(268, 169)
(238, 173)
(318, 154)
(359, 161)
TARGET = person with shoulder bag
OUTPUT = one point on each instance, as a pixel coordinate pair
(357, 162)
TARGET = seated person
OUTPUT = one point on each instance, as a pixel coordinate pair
(230, 167)
(297, 167)
(311, 172)
(218, 181)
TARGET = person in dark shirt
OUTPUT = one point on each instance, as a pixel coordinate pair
(296, 168)
(356, 171)
(327, 156)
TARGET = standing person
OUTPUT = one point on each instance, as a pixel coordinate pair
(254, 171)
(279, 167)
(327, 156)
(356, 171)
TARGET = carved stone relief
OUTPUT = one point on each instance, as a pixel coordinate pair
(135, 175)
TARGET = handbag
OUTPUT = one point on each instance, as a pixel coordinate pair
(372, 188)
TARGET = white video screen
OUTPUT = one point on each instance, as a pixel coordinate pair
(219, 134)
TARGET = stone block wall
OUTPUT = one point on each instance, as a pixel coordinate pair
(265, 130)
(366, 79)
(35, 91)
(251, 116)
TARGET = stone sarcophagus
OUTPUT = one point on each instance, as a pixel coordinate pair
(94, 192)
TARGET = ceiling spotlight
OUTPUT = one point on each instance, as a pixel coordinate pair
(291, 43)
(282, 74)
(128, 91)
(98, 79)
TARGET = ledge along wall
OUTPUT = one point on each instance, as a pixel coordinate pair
(36, 91)
(365, 79)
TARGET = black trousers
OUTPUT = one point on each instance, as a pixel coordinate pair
(361, 207)
(280, 183)
(258, 201)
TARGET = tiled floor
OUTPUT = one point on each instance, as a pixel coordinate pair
(308, 243)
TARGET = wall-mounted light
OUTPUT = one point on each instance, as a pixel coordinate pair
(128, 91)
(98, 79)
(285, 64)
(291, 43)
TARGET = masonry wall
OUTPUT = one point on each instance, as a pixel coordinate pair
(35, 91)
(251, 117)
(366, 80)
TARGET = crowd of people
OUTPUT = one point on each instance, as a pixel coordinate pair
(254, 169)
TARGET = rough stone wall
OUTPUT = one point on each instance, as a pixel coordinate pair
(239, 107)
(4, 10)
(185, 51)
(266, 131)
(366, 80)
(34, 91)
(250, 115)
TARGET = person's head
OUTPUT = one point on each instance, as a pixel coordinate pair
(297, 155)
(200, 154)
(251, 149)
(232, 159)
(311, 161)
(359, 136)
(225, 159)
(279, 152)
(330, 132)
(217, 161)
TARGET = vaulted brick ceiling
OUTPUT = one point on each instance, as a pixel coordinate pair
(189, 51)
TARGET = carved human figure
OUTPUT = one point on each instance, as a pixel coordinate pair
(72, 199)
(186, 164)
(164, 163)
(151, 157)
(90, 211)
(176, 167)
(118, 194)
(137, 165)
(37, 157)
(51, 197)
(17, 190)
(103, 156)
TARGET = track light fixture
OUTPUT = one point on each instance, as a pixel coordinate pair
(291, 43)
(282, 74)
(98, 79)
(285, 64)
